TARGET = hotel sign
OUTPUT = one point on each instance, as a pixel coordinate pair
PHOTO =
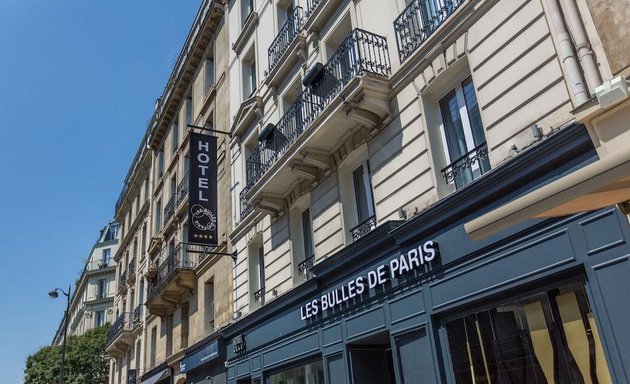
(414, 259)
(202, 187)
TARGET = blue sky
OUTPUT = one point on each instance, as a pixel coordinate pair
(78, 80)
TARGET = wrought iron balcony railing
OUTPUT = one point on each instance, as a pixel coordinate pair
(184, 256)
(131, 268)
(285, 37)
(137, 314)
(418, 21)
(361, 52)
(304, 266)
(312, 4)
(98, 264)
(246, 208)
(259, 296)
(169, 208)
(122, 280)
(468, 167)
(121, 324)
(182, 189)
(363, 228)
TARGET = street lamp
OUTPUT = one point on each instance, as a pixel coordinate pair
(53, 295)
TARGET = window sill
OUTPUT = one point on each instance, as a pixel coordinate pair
(246, 32)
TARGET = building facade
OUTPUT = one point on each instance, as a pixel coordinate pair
(181, 293)
(412, 191)
(424, 194)
(92, 301)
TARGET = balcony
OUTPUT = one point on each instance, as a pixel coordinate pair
(169, 208)
(131, 271)
(363, 228)
(173, 277)
(122, 282)
(468, 167)
(246, 208)
(283, 51)
(318, 13)
(119, 337)
(418, 21)
(99, 265)
(182, 189)
(344, 105)
(137, 315)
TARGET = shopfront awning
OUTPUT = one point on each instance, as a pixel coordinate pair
(602, 183)
(157, 377)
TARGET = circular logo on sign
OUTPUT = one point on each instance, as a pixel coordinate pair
(203, 218)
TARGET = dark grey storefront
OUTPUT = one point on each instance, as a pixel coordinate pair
(546, 301)
(205, 363)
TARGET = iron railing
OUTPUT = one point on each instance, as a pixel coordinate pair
(131, 268)
(311, 5)
(418, 21)
(363, 228)
(361, 52)
(182, 189)
(183, 256)
(169, 208)
(246, 208)
(285, 37)
(304, 266)
(462, 171)
(137, 314)
(97, 264)
(259, 295)
(122, 323)
(122, 280)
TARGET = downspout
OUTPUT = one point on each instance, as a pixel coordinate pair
(582, 44)
(567, 55)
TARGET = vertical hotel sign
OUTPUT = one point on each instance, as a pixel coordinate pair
(202, 200)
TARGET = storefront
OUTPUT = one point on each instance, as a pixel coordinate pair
(205, 363)
(162, 374)
(420, 302)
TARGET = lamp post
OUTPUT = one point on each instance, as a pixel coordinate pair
(53, 295)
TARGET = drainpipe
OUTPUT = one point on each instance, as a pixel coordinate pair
(583, 46)
(567, 56)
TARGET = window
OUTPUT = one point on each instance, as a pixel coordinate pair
(153, 347)
(169, 335)
(247, 7)
(101, 289)
(257, 274)
(363, 192)
(311, 373)
(158, 216)
(546, 338)
(249, 74)
(99, 318)
(188, 118)
(105, 257)
(209, 75)
(209, 305)
(307, 233)
(112, 232)
(160, 163)
(463, 135)
(143, 240)
(175, 137)
(184, 325)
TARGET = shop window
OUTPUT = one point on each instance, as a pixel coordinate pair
(371, 360)
(463, 137)
(550, 337)
(311, 373)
